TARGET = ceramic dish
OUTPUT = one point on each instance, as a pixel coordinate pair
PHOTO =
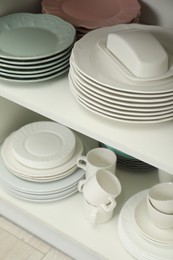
(38, 66)
(91, 15)
(19, 184)
(147, 229)
(45, 35)
(113, 116)
(108, 96)
(99, 67)
(19, 169)
(24, 70)
(47, 76)
(101, 44)
(28, 76)
(36, 63)
(111, 90)
(42, 197)
(43, 145)
(43, 178)
(121, 102)
(140, 247)
(116, 114)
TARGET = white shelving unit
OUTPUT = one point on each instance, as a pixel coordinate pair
(152, 143)
(62, 223)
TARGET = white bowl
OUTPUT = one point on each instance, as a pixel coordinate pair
(161, 197)
(158, 218)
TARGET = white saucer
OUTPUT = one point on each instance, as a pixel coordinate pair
(146, 228)
(13, 165)
(43, 145)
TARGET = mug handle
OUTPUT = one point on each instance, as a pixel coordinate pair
(110, 206)
(81, 185)
(81, 162)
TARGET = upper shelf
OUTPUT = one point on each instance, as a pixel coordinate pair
(152, 143)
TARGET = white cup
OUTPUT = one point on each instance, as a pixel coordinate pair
(98, 215)
(159, 218)
(161, 197)
(101, 188)
(98, 158)
(164, 176)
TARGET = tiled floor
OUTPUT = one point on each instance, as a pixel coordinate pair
(17, 244)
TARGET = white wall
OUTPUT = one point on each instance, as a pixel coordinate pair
(15, 6)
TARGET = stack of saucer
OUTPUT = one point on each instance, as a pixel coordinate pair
(39, 162)
(34, 47)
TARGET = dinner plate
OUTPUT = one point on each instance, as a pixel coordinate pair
(105, 111)
(34, 36)
(48, 198)
(107, 96)
(36, 62)
(31, 76)
(50, 75)
(100, 69)
(43, 178)
(124, 106)
(133, 241)
(26, 71)
(38, 66)
(41, 196)
(13, 165)
(43, 145)
(19, 184)
(89, 14)
(146, 228)
(100, 112)
(109, 89)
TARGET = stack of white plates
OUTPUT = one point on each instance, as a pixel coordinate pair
(139, 235)
(34, 47)
(99, 83)
(39, 162)
(89, 15)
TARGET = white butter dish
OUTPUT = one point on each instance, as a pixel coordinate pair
(139, 51)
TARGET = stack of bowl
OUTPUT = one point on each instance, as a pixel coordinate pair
(160, 205)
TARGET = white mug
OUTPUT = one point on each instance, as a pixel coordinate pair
(98, 158)
(98, 215)
(101, 188)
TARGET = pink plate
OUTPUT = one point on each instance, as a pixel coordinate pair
(93, 14)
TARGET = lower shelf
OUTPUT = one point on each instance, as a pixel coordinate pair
(63, 225)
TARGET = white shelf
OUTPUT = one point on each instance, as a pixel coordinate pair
(63, 224)
(152, 143)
